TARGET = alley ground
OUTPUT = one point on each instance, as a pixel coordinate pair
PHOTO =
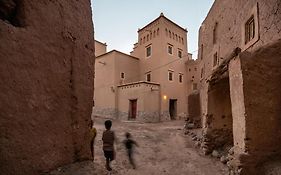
(163, 150)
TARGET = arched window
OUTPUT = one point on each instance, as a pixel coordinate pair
(166, 32)
(170, 35)
(147, 37)
(140, 41)
(179, 39)
(154, 34)
(173, 35)
(143, 39)
(150, 35)
(158, 31)
(176, 37)
(182, 40)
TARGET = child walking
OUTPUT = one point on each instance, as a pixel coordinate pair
(108, 139)
(129, 144)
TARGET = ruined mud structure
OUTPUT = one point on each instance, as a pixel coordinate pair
(46, 90)
(240, 58)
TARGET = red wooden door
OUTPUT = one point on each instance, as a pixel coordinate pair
(133, 104)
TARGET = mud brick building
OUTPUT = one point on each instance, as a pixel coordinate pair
(240, 65)
(151, 84)
(46, 89)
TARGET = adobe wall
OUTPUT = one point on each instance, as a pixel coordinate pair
(261, 87)
(256, 117)
(108, 76)
(100, 48)
(194, 110)
(148, 104)
(46, 68)
(129, 65)
(193, 95)
(231, 17)
(105, 87)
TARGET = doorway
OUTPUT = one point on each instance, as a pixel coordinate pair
(219, 116)
(173, 108)
(133, 109)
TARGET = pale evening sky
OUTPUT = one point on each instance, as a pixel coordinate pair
(116, 21)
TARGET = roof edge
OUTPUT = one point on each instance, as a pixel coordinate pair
(162, 15)
(101, 42)
(139, 82)
(117, 52)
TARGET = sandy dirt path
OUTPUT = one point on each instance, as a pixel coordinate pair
(163, 150)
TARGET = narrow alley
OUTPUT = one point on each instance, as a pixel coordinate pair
(163, 149)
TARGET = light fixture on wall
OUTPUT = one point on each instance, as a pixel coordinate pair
(165, 97)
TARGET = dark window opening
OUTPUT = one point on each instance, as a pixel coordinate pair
(12, 11)
(215, 59)
(249, 29)
(180, 54)
(148, 77)
(170, 49)
(170, 76)
(122, 75)
(202, 72)
(148, 51)
(180, 78)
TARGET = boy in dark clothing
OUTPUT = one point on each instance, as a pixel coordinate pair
(129, 143)
(108, 138)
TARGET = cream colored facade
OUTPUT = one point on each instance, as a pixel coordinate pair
(158, 61)
(100, 48)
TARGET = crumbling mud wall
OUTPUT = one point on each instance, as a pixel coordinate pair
(46, 89)
(229, 18)
(257, 123)
(262, 75)
(218, 126)
(194, 109)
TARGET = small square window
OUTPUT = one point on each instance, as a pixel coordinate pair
(250, 29)
(179, 53)
(170, 49)
(180, 78)
(122, 75)
(148, 77)
(170, 76)
(148, 51)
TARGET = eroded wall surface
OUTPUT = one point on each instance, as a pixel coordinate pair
(218, 126)
(46, 89)
(194, 111)
(261, 82)
(228, 19)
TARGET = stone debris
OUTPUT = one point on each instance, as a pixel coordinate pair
(216, 154)
(223, 159)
